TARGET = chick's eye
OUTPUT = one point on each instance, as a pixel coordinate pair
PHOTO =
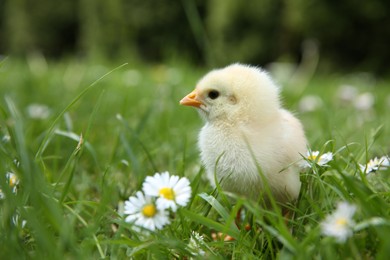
(213, 94)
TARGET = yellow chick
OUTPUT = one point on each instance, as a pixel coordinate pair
(248, 138)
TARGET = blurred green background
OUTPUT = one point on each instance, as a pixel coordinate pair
(349, 35)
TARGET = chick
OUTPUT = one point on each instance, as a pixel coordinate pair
(248, 138)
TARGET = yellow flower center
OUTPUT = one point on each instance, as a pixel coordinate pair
(341, 222)
(312, 157)
(12, 180)
(167, 193)
(149, 210)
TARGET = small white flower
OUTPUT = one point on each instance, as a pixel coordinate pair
(339, 224)
(375, 165)
(196, 243)
(347, 93)
(310, 103)
(38, 111)
(12, 179)
(170, 190)
(364, 101)
(142, 212)
(314, 156)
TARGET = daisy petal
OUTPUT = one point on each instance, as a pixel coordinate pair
(171, 191)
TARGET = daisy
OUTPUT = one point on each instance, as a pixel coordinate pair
(142, 212)
(12, 181)
(314, 156)
(339, 224)
(172, 191)
(375, 165)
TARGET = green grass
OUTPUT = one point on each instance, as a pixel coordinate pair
(70, 192)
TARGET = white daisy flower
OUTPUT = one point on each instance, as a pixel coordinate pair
(314, 156)
(375, 164)
(142, 212)
(12, 179)
(170, 190)
(339, 224)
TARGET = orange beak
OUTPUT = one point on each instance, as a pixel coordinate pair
(191, 100)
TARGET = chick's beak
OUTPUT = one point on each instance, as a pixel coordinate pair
(191, 100)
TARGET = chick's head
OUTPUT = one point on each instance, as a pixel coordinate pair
(236, 93)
